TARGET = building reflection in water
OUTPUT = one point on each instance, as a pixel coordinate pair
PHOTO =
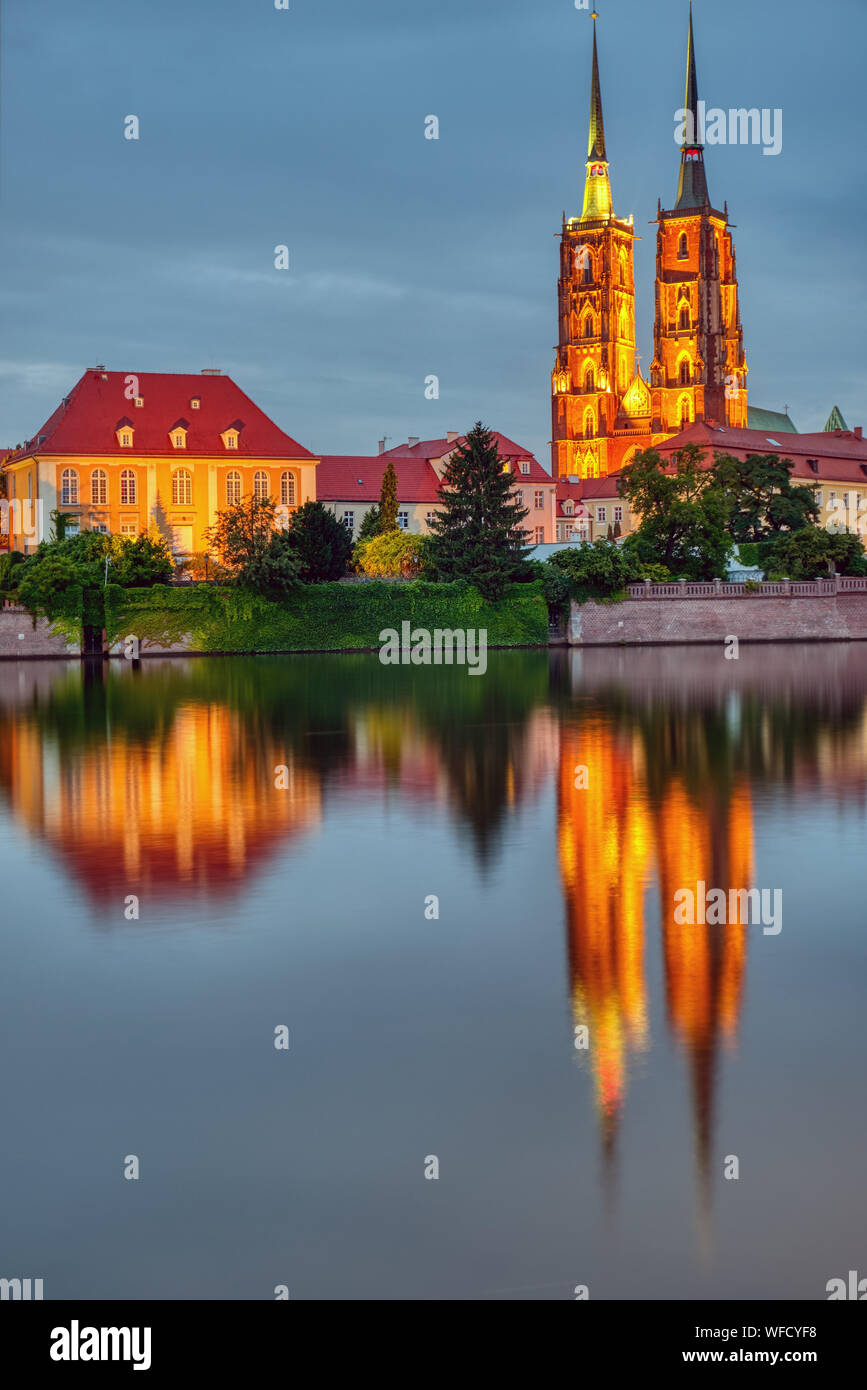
(616, 840)
(188, 806)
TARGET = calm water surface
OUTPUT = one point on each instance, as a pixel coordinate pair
(453, 1037)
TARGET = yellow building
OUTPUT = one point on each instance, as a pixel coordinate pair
(123, 453)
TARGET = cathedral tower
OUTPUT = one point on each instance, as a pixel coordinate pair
(699, 369)
(596, 403)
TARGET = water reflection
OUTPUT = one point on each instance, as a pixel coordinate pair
(160, 781)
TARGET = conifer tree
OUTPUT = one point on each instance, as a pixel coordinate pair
(478, 535)
(388, 500)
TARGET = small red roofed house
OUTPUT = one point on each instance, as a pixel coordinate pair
(350, 485)
(124, 452)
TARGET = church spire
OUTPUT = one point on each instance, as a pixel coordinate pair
(692, 186)
(597, 188)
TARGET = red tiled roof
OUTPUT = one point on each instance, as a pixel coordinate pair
(839, 454)
(348, 477)
(587, 490)
(438, 448)
(96, 407)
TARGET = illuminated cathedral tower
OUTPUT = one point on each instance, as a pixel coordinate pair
(699, 369)
(596, 404)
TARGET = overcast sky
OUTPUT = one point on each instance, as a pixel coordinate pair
(409, 257)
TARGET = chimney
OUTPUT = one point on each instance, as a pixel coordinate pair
(413, 440)
(382, 446)
(858, 431)
(452, 436)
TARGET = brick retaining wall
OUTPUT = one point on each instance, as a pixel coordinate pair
(640, 622)
(18, 640)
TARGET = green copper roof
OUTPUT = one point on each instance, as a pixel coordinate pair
(597, 188)
(774, 421)
(835, 421)
(596, 137)
(692, 185)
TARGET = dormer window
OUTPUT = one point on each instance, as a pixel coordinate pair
(124, 430)
(231, 434)
(178, 434)
(139, 402)
(195, 403)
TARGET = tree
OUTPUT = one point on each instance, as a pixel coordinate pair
(478, 535)
(242, 533)
(761, 497)
(140, 562)
(277, 571)
(396, 554)
(387, 511)
(322, 544)
(64, 580)
(597, 569)
(813, 552)
(684, 513)
(369, 524)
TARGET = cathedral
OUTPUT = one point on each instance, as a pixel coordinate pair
(603, 410)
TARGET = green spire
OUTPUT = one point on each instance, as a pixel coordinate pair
(692, 185)
(597, 188)
(835, 421)
(596, 137)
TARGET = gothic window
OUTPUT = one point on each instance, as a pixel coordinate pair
(588, 327)
(685, 372)
(683, 247)
(589, 381)
(589, 425)
(684, 413)
(683, 321)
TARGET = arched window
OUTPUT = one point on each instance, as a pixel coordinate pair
(260, 485)
(683, 247)
(127, 488)
(69, 488)
(685, 372)
(589, 425)
(683, 321)
(182, 488)
(287, 490)
(588, 327)
(589, 381)
(98, 488)
(685, 418)
(233, 489)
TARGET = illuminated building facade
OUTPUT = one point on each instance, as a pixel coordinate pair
(124, 453)
(603, 410)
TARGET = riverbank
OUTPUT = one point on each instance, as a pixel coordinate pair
(675, 619)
